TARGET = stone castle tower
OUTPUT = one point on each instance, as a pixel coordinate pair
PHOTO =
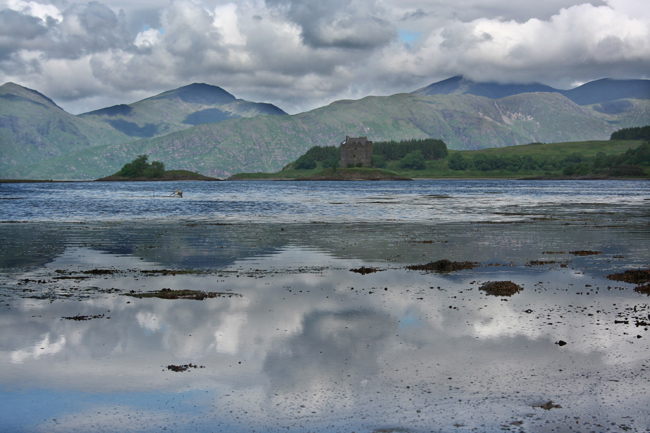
(356, 150)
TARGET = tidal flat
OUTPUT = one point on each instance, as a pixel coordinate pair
(321, 325)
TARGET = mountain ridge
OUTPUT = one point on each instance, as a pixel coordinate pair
(267, 143)
(593, 92)
(34, 128)
(176, 126)
(10, 88)
(177, 109)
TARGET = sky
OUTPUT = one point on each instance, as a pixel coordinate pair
(304, 54)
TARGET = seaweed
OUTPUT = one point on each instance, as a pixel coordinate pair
(80, 317)
(501, 288)
(641, 277)
(548, 405)
(585, 253)
(443, 265)
(364, 270)
(197, 295)
(183, 367)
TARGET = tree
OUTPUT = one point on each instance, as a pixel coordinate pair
(574, 158)
(413, 160)
(634, 133)
(331, 162)
(569, 170)
(600, 160)
(140, 167)
(305, 162)
(485, 162)
(379, 161)
(528, 163)
(457, 162)
(155, 169)
(141, 163)
(128, 170)
(431, 148)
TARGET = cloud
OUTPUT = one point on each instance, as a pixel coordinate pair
(353, 24)
(300, 55)
(17, 31)
(582, 40)
(41, 348)
(35, 9)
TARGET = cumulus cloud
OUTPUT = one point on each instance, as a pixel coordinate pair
(300, 54)
(570, 43)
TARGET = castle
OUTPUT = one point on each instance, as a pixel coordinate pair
(355, 151)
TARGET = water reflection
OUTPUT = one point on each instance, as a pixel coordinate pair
(312, 346)
(209, 245)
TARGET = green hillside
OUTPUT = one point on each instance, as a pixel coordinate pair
(268, 143)
(34, 128)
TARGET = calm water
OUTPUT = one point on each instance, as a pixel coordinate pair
(419, 201)
(304, 343)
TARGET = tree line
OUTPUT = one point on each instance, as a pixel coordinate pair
(634, 133)
(630, 163)
(430, 148)
(411, 153)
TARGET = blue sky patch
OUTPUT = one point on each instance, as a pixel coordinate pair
(408, 36)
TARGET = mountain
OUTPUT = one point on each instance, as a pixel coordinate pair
(595, 92)
(267, 143)
(179, 109)
(608, 90)
(34, 128)
(40, 140)
(460, 85)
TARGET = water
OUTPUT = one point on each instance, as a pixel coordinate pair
(427, 201)
(304, 343)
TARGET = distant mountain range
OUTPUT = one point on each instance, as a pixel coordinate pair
(206, 129)
(594, 92)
